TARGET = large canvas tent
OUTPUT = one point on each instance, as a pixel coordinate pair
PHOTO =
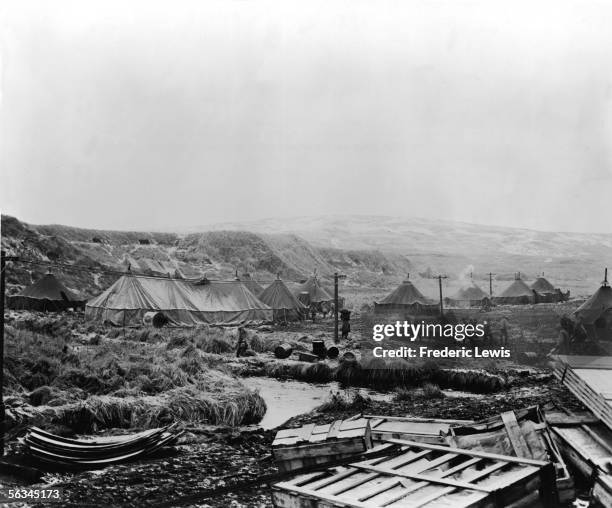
(252, 285)
(406, 297)
(285, 305)
(470, 295)
(183, 303)
(46, 294)
(516, 293)
(316, 292)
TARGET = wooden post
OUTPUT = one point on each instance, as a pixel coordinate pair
(3, 259)
(440, 277)
(491, 284)
(336, 307)
(337, 277)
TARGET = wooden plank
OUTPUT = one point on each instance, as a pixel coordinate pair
(517, 440)
(419, 420)
(418, 485)
(424, 477)
(585, 362)
(447, 490)
(604, 444)
(355, 484)
(333, 500)
(602, 489)
(559, 419)
(471, 453)
(334, 429)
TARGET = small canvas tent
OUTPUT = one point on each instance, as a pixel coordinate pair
(517, 293)
(316, 292)
(182, 302)
(285, 305)
(471, 296)
(545, 292)
(406, 297)
(46, 294)
(596, 313)
(541, 285)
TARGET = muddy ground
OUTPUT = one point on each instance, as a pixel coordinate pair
(210, 457)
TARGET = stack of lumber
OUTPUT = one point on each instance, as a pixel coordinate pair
(422, 430)
(589, 378)
(421, 474)
(523, 433)
(319, 444)
(90, 454)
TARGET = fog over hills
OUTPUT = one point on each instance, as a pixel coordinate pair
(428, 235)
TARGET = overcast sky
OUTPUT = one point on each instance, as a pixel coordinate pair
(162, 114)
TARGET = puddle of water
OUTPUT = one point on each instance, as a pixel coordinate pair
(288, 398)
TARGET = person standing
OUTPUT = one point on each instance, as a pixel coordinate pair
(345, 315)
(504, 328)
(242, 346)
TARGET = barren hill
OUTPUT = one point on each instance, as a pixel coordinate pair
(216, 254)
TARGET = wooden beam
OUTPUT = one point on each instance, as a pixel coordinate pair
(517, 440)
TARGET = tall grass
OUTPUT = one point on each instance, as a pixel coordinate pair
(139, 382)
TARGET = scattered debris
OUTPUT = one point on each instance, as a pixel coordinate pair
(307, 357)
(522, 433)
(320, 444)
(89, 454)
(421, 430)
(421, 473)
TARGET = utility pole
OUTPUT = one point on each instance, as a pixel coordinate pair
(440, 277)
(336, 278)
(491, 284)
(3, 259)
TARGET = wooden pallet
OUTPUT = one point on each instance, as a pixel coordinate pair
(319, 444)
(589, 378)
(422, 430)
(522, 433)
(424, 475)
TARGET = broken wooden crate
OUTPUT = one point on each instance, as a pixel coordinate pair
(422, 430)
(319, 444)
(523, 433)
(424, 475)
(586, 443)
(589, 378)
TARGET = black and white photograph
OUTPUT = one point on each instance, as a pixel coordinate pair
(306, 254)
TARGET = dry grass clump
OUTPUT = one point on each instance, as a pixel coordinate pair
(402, 394)
(431, 391)
(344, 402)
(136, 382)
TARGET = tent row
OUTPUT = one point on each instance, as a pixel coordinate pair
(407, 297)
(182, 302)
